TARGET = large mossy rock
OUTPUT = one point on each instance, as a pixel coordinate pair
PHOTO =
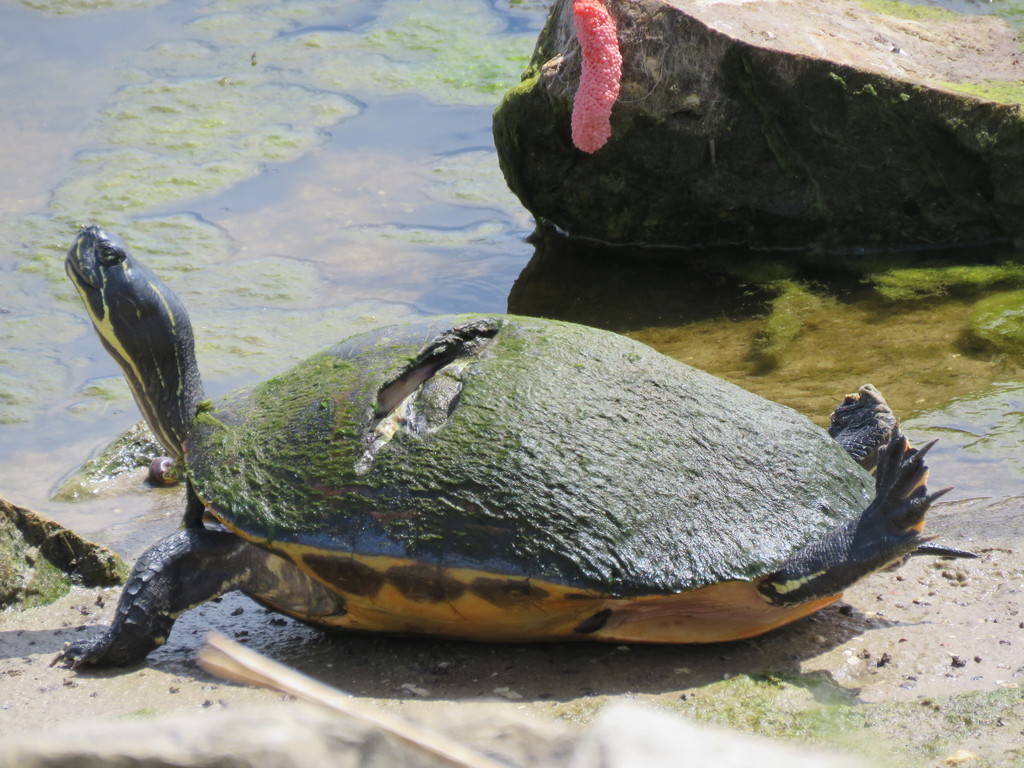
(40, 559)
(779, 124)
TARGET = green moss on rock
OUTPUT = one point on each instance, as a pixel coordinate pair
(907, 10)
(814, 709)
(133, 449)
(40, 559)
(999, 91)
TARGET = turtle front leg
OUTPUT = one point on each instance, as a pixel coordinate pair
(182, 571)
(888, 530)
(862, 424)
(187, 568)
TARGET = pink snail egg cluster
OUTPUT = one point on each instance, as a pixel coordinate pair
(599, 79)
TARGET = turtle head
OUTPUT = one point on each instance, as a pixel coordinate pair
(144, 327)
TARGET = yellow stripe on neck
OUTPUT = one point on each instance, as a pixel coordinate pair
(105, 328)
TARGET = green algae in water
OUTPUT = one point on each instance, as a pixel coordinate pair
(266, 282)
(126, 181)
(176, 139)
(953, 280)
(997, 322)
(36, 245)
(177, 244)
(31, 327)
(239, 28)
(484, 232)
(452, 51)
(76, 7)
(99, 396)
(181, 131)
(205, 120)
(794, 305)
(471, 178)
(449, 50)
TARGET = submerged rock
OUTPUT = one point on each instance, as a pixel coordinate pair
(802, 124)
(997, 323)
(134, 449)
(39, 559)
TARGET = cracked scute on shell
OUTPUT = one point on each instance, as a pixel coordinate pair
(421, 398)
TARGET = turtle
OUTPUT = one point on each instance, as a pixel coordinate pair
(497, 478)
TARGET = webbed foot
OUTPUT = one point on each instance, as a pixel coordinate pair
(886, 531)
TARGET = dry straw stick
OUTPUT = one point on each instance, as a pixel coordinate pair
(232, 661)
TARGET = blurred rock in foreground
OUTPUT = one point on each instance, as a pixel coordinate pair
(299, 736)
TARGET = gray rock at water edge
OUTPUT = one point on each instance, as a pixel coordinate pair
(40, 559)
(801, 124)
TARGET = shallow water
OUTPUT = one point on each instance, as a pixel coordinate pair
(295, 172)
(298, 172)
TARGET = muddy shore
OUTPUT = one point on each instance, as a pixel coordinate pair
(928, 657)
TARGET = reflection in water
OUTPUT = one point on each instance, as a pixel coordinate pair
(801, 330)
(807, 330)
(984, 433)
(626, 289)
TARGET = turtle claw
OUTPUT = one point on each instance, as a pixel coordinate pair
(939, 550)
(902, 496)
(87, 651)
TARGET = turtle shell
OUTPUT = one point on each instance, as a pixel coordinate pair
(528, 448)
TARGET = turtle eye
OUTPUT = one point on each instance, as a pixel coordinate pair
(109, 254)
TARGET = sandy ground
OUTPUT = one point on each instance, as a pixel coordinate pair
(930, 629)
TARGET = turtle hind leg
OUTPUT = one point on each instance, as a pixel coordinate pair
(862, 424)
(886, 531)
